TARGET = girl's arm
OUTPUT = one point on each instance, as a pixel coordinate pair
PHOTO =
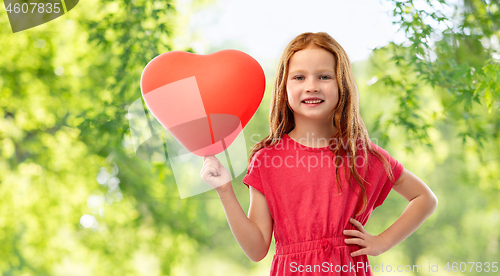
(253, 233)
(422, 204)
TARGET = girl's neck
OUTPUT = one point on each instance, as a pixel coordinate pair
(311, 134)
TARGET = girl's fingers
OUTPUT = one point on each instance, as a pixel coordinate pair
(354, 233)
(207, 170)
(357, 224)
(207, 167)
(359, 242)
(210, 162)
(203, 172)
(210, 157)
(360, 252)
(207, 159)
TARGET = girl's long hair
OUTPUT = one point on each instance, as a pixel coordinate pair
(351, 131)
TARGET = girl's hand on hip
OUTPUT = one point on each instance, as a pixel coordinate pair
(214, 174)
(371, 245)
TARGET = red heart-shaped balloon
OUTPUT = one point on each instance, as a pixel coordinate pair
(204, 101)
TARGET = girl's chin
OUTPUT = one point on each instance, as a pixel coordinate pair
(312, 117)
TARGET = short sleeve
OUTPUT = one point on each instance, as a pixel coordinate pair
(253, 177)
(396, 169)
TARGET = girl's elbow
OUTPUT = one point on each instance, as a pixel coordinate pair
(433, 202)
(258, 256)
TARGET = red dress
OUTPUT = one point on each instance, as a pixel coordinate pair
(309, 212)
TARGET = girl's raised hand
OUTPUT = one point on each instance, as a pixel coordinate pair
(371, 245)
(214, 174)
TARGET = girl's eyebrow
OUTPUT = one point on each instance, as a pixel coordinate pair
(326, 70)
(303, 71)
(296, 72)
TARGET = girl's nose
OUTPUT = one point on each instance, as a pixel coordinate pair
(311, 86)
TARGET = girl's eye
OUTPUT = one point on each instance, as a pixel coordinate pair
(298, 77)
(325, 77)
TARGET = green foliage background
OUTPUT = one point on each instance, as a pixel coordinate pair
(432, 102)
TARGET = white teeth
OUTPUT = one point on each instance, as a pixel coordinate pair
(315, 101)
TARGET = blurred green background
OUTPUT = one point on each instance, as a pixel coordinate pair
(74, 200)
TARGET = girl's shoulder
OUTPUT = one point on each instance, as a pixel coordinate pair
(362, 145)
(369, 154)
(380, 156)
(379, 149)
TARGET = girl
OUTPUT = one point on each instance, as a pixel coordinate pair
(316, 178)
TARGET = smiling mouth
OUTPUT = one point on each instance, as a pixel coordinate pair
(313, 102)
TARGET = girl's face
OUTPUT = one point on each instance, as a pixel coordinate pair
(311, 85)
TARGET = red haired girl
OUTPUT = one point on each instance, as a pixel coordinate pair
(316, 178)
